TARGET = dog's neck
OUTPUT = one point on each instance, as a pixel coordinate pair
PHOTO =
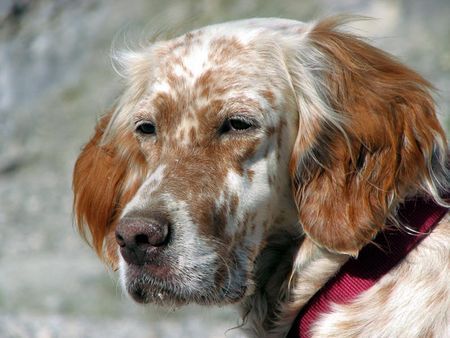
(271, 309)
(292, 269)
(272, 269)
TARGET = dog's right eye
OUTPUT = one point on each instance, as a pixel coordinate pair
(236, 124)
(146, 128)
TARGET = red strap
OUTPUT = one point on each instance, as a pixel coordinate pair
(358, 275)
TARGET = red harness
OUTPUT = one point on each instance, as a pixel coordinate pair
(358, 275)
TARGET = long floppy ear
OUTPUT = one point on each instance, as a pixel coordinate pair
(104, 180)
(368, 138)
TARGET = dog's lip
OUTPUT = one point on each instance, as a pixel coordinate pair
(144, 286)
(152, 271)
(141, 256)
(158, 292)
(150, 282)
(142, 294)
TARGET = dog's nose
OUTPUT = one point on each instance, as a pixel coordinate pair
(141, 239)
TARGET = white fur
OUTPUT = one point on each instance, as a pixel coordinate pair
(150, 185)
(300, 96)
(419, 293)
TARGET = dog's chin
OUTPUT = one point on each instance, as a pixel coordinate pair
(174, 290)
(143, 293)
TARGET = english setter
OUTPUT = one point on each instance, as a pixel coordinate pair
(248, 162)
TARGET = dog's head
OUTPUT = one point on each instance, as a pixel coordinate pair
(231, 133)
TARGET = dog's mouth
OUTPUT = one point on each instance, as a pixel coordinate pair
(151, 284)
(144, 293)
(163, 286)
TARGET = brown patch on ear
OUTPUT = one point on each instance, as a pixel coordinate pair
(348, 182)
(102, 186)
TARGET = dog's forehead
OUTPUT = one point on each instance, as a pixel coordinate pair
(202, 58)
(220, 62)
(190, 55)
(236, 53)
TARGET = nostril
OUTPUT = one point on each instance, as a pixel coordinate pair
(141, 239)
(120, 240)
(142, 233)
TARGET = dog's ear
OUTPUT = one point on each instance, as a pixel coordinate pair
(368, 137)
(103, 182)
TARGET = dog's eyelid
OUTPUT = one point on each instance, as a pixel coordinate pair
(245, 115)
(242, 116)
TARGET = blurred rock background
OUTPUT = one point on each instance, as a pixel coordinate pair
(56, 79)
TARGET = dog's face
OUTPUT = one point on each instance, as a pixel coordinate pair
(231, 133)
(214, 131)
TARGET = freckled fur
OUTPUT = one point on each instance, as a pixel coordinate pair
(264, 218)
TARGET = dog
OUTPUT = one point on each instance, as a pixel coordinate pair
(250, 162)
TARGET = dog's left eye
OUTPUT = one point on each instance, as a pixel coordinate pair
(146, 128)
(236, 124)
